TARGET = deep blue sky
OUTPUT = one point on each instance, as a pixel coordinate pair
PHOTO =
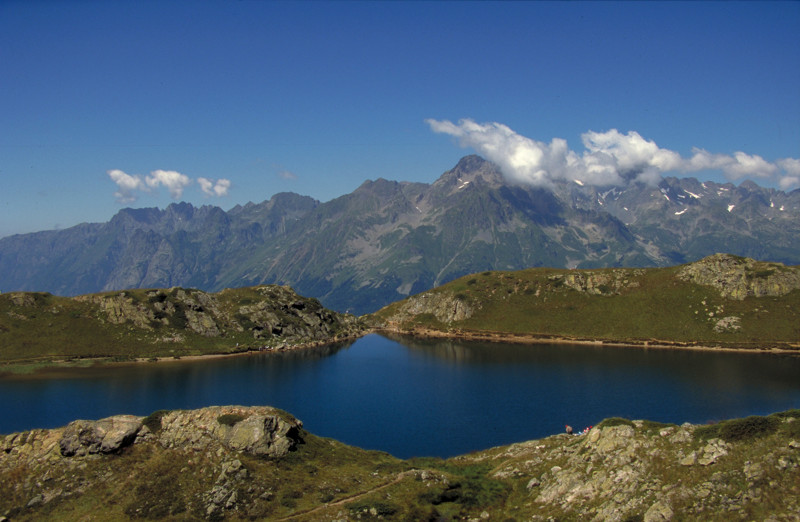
(315, 98)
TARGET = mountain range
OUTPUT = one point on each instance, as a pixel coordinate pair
(388, 240)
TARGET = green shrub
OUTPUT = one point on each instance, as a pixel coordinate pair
(615, 421)
(735, 430)
(709, 431)
(748, 428)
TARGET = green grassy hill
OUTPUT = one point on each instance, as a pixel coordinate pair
(721, 300)
(39, 327)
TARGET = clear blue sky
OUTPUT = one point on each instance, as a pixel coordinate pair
(315, 98)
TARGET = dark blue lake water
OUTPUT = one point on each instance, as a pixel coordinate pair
(413, 398)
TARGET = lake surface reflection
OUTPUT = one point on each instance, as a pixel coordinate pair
(414, 397)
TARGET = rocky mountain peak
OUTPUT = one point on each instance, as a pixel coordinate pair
(471, 169)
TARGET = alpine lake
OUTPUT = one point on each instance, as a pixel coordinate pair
(412, 397)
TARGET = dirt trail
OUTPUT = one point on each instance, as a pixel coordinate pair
(400, 476)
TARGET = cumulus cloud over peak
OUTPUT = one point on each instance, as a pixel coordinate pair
(609, 158)
(130, 186)
(174, 181)
(127, 185)
(211, 187)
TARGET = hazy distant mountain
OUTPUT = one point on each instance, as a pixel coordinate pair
(389, 239)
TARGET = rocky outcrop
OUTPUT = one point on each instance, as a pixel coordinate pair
(738, 277)
(121, 308)
(446, 307)
(87, 454)
(81, 437)
(258, 431)
(168, 322)
(599, 282)
(233, 462)
(643, 471)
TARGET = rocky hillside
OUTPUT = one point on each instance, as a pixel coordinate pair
(258, 463)
(163, 323)
(721, 300)
(388, 240)
(737, 278)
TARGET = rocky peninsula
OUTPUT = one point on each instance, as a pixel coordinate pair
(721, 301)
(40, 328)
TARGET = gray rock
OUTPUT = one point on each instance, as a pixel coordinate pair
(736, 278)
(658, 512)
(263, 435)
(107, 435)
(689, 460)
(712, 452)
(36, 501)
(445, 307)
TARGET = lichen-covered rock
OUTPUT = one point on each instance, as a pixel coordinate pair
(658, 512)
(738, 277)
(82, 437)
(602, 282)
(257, 430)
(712, 452)
(447, 308)
(263, 435)
(121, 308)
(728, 324)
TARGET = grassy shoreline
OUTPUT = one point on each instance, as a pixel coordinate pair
(519, 338)
(32, 366)
(29, 366)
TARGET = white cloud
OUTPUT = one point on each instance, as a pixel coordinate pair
(174, 181)
(736, 166)
(609, 158)
(791, 179)
(630, 152)
(285, 174)
(130, 186)
(789, 182)
(210, 187)
(790, 165)
(127, 185)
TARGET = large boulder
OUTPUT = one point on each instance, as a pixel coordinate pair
(109, 435)
(263, 435)
(257, 430)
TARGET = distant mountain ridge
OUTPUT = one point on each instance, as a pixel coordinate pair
(387, 239)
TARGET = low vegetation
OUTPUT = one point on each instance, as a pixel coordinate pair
(37, 329)
(718, 301)
(740, 469)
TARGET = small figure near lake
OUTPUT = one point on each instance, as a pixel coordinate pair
(568, 428)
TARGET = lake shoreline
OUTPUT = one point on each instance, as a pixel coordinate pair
(513, 338)
(11, 368)
(8, 369)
